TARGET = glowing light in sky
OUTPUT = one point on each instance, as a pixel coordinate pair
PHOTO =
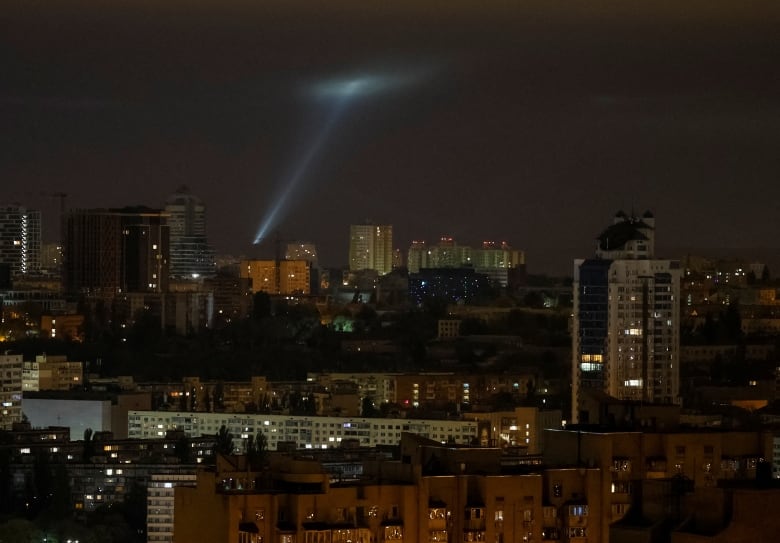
(338, 94)
(300, 168)
(361, 86)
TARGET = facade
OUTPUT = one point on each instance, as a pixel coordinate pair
(51, 258)
(446, 254)
(521, 429)
(371, 248)
(302, 250)
(160, 491)
(631, 464)
(61, 326)
(434, 494)
(448, 328)
(51, 373)
(305, 432)
(10, 390)
(20, 239)
(111, 251)
(776, 455)
(191, 255)
(187, 312)
(232, 296)
(625, 329)
(283, 277)
(496, 260)
(102, 471)
(378, 386)
(46, 300)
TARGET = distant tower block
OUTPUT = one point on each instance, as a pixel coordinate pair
(20, 239)
(625, 333)
(371, 247)
(191, 254)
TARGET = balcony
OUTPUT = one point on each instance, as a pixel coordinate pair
(577, 535)
(656, 467)
(620, 468)
(474, 519)
(577, 516)
(393, 533)
(474, 535)
(437, 519)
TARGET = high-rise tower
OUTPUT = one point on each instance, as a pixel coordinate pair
(109, 251)
(371, 247)
(191, 255)
(20, 239)
(625, 336)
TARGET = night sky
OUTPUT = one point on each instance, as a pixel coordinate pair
(530, 124)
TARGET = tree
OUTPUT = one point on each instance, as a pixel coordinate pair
(530, 391)
(261, 306)
(368, 409)
(218, 398)
(534, 299)
(21, 531)
(183, 450)
(224, 442)
(206, 401)
(257, 450)
(732, 323)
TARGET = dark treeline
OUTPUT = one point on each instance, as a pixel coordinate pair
(283, 341)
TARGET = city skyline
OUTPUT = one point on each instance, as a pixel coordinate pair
(519, 123)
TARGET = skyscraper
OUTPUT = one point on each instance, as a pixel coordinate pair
(191, 255)
(371, 247)
(20, 239)
(108, 251)
(625, 333)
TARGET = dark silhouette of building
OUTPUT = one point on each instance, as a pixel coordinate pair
(455, 285)
(191, 254)
(111, 251)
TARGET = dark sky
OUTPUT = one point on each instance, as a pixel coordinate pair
(531, 122)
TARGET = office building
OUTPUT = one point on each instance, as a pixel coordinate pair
(191, 255)
(371, 247)
(625, 330)
(111, 251)
(20, 239)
